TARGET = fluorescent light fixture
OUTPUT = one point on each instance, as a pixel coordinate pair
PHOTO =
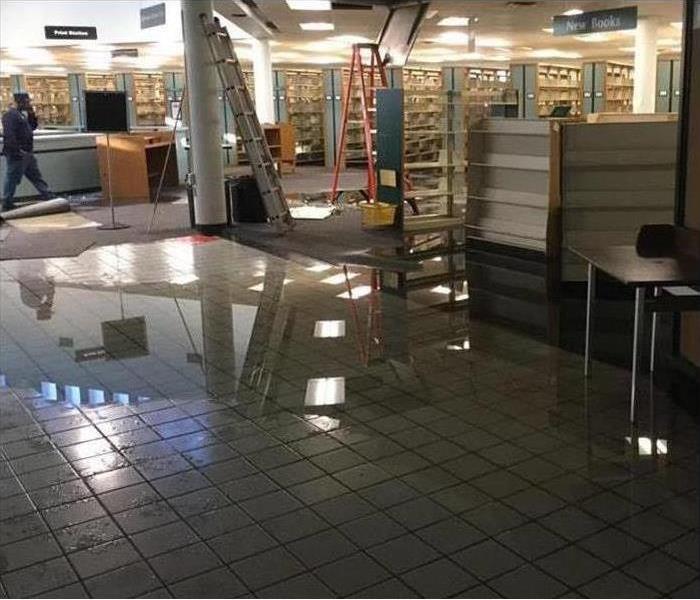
(455, 22)
(324, 391)
(72, 394)
(49, 390)
(548, 29)
(96, 396)
(339, 278)
(357, 292)
(329, 329)
(677, 25)
(454, 38)
(309, 4)
(122, 398)
(572, 11)
(319, 268)
(317, 26)
(52, 69)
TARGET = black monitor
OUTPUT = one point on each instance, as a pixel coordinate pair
(105, 111)
(561, 111)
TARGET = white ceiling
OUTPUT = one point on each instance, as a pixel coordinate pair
(504, 33)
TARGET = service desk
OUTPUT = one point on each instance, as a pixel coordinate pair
(67, 160)
(137, 161)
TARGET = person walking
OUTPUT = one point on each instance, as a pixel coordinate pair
(18, 125)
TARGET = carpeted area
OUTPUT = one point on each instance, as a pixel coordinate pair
(20, 242)
(74, 232)
(334, 239)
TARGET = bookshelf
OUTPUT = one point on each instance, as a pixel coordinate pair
(300, 101)
(100, 82)
(51, 99)
(423, 112)
(5, 93)
(486, 87)
(149, 98)
(608, 86)
(543, 86)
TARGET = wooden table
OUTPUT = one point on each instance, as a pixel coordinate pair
(137, 162)
(661, 274)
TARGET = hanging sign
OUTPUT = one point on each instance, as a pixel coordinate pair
(599, 21)
(68, 32)
(153, 16)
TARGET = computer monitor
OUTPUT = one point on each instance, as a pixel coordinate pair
(105, 112)
(561, 111)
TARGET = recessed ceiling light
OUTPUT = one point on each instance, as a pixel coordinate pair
(309, 4)
(548, 29)
(350, 39)
(455, 38)
(320, 26)
(455, 22)
(572, 11)
(677, 24)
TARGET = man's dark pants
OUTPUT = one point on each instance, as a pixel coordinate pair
(20, 166)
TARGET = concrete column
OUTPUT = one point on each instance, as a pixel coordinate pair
(205, 138)
(262, 74)
(644, 100)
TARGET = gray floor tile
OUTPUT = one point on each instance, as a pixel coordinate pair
(349, 575)
(267, 568)
(439, 579)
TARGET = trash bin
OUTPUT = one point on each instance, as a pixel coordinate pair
(244, 200)
(189, 186)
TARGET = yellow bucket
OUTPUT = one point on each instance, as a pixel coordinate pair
(376, 215)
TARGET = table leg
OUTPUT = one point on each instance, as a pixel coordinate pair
(638, 329)
(590, 297)
(652, 354)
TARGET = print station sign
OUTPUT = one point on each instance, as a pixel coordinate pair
(599, 21)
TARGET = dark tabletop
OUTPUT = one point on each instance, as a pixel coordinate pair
(624, 264)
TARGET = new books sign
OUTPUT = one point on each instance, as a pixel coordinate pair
(599, 21)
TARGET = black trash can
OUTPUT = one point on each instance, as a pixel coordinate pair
(189, 186)
(244, 200)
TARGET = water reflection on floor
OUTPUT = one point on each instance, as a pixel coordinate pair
(193, 416)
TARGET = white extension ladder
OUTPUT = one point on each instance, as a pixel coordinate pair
(248, 127)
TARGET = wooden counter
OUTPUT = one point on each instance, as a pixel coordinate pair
(137, 160)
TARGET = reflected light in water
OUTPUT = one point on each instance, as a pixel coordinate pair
(324, 391)
(357, 292)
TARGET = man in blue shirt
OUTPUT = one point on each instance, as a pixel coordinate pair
(18, 125)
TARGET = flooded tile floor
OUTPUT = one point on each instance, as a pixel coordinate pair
(195, 418)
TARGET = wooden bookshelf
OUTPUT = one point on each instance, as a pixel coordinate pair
(302, 95)
(149, 98)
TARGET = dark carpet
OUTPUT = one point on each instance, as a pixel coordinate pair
(171, 220)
